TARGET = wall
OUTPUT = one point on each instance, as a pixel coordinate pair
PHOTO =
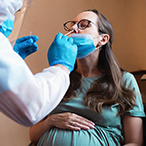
(12, 134)
(45, 19)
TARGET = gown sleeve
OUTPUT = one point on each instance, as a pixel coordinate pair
(138, 109)
(24, 97)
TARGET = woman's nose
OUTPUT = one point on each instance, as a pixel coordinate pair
(75, 28)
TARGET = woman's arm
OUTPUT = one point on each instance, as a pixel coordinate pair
(133, 131)
(67, 120)
(36, 131)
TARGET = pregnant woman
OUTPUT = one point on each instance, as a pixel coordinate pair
(103, 105)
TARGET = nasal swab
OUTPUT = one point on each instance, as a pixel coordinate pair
(31, 33)
(69, 32)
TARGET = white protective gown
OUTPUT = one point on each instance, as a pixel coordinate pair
(24, 97)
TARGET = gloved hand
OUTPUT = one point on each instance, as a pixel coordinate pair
(62, 51)
(26, 45)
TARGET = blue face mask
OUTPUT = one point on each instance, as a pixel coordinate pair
(85, 44)
(6, 27)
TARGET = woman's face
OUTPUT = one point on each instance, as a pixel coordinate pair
(92, 29)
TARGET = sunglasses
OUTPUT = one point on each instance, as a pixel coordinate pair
(82, 24)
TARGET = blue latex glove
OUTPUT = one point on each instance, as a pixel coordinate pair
(62, 51)
(26, 45)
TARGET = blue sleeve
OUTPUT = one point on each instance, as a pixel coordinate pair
(138, 109)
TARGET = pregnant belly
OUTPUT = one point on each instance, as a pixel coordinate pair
(92, 137)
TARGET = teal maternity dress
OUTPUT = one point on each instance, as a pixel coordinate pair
(108, 126)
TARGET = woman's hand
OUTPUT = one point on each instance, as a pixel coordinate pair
(66, 120)
(70, 121)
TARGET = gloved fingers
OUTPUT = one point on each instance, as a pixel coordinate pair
(75, 48)
(35, 38)
(58, 36)
(22, 39)
(65, 37)
(25, 44)
(35, 47)
(32, 49)
(70, 40)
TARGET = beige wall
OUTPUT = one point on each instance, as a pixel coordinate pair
(45, 19)
(12, 134)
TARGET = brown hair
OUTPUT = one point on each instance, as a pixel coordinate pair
(109, 88)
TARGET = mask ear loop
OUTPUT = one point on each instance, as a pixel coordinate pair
(100, 47)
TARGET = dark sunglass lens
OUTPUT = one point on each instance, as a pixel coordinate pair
(83, 24)
(69, 25)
